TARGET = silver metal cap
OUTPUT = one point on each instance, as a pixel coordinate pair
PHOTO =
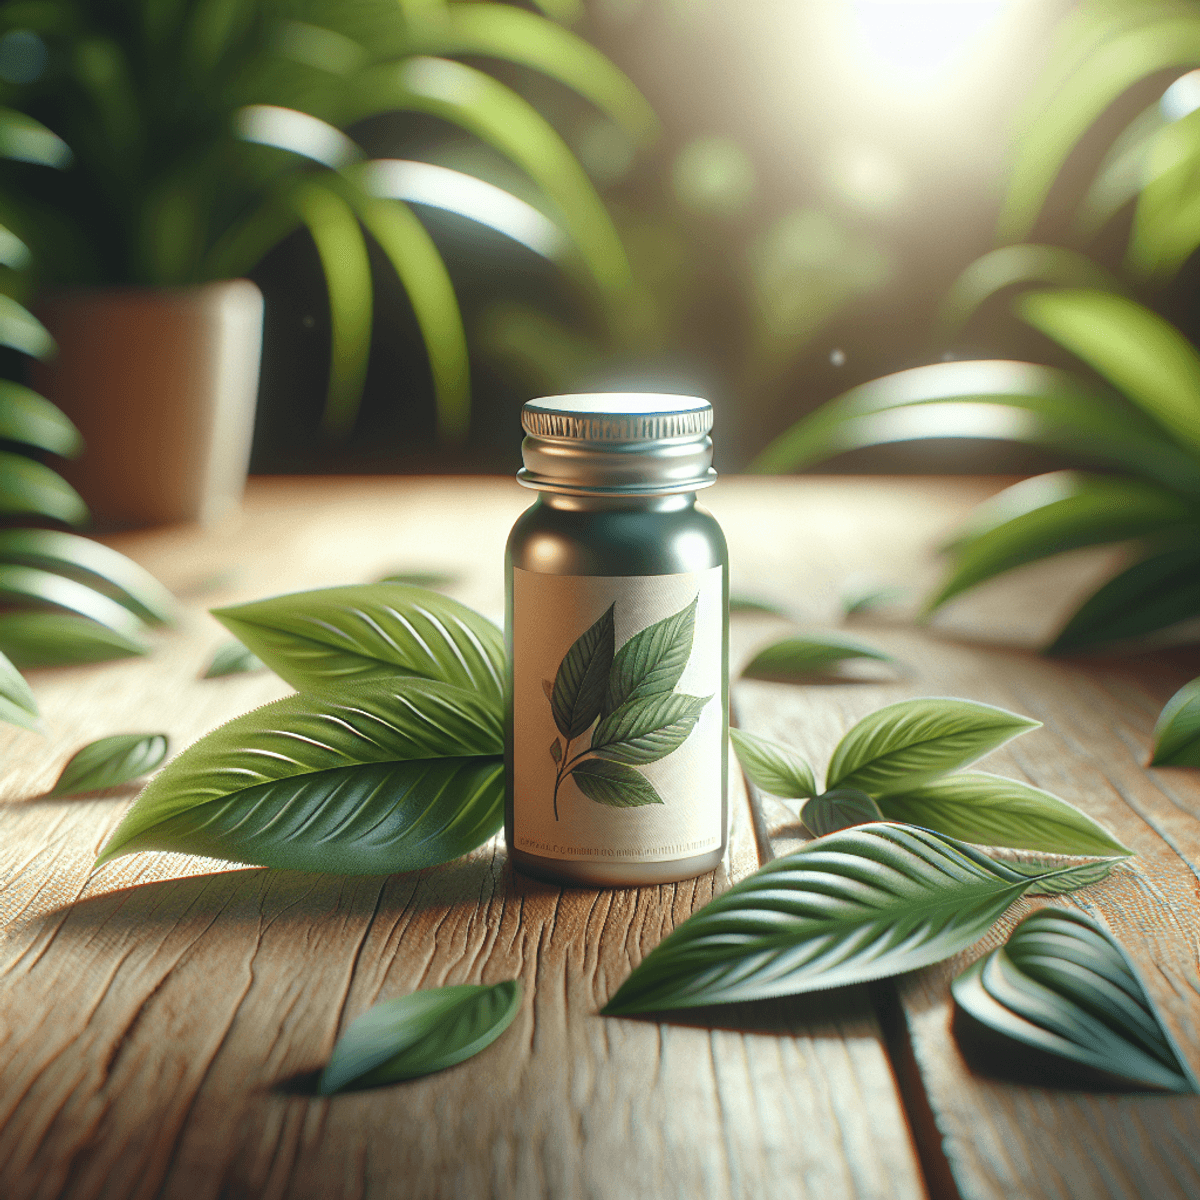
(617, 443)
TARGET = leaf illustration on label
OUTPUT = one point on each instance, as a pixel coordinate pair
(653, 660)
(579, 686)
(548, 688)
(614, 784)
(556, 750)
(643, 731)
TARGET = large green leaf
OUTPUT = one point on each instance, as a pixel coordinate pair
(977, 807)
(111, 761)
(613, 783)
(497, 115)
(499, 31)
(1063, 986)
(32, 583)
(652, 660)
(52, 639)
(775, 768)
(343, 252)
(27, 417)
(416, 261)
(582, 678)
(794, 658)
(1065, 115)
(29, 487)
(1135, 349)
(381, 777)
(645, 730)
(1010, 401)
(372, 631)
(133, 585)
(17, 705)
(1177, 731)
(1008, 266)
(420, 1033)
(905, 744)
(855, 905)
(1087, 510)
(1153, 594)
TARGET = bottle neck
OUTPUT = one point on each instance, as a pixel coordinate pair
(567, 502)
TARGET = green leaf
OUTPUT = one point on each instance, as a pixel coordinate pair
(343, 252)
(1151, 595)
(992, 810)
(49, 639)
(1084, 511)
(1008, 266)
(652, 660)
(27, 417)
(17, 705)
(111, 761)
(133, 585)
(419, 266)
(614, 784)
(233, 658)
(643, 731)
(379, 777)
(795, 657)
(27, 486)
(371, 631)
(26, 140)
(1062, 985)
(21, 330)
(582, 678)
(1135, 349)
(1177, 731)
(556, 750)
(866, 599)
(775, 768)
(1009, 401)
(1080, 875)
(841, 808)
(420, 1033)
(854, 905)
(905, 744)
(31, 583)
(422, 579)
(750, 604)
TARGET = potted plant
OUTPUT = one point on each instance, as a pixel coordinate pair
(170, 146)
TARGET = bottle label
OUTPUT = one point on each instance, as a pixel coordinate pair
(617, 715)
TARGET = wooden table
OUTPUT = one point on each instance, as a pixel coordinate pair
(161, 1024)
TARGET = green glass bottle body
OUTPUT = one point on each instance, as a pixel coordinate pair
(614, 540)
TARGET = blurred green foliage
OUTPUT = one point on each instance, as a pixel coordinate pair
(1134, 411)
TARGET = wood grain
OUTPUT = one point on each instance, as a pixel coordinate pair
(161, 1024)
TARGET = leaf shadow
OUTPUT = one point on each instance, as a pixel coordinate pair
(990, 1054)
(121, 791)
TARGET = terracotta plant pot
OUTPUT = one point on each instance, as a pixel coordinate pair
(162, 384)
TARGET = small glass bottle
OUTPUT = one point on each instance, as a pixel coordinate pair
(618, 631)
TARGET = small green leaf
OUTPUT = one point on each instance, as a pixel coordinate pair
(855, 905)
(750, 604)
(1081, 875)
(1153, 594)
(50, 639)
(17, 705)
(233, 658)
(556, 750)
(614, 784)
(26, 140)
(32, 583)
(651, 661)
(867, 599)
(29, 487)
(906, 744)
(643, 731)
(27, 417)
(977, 807)
(795, 657)
(371, 631)
(582, 678)
(111, 761)
(21, 330)
(422, 579)
(377, 777)
(1177, 731)
(132, 585)
(1062, 985)
(420, 1033)
(841, 808)
(775, 768)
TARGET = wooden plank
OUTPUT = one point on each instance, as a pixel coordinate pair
(161, 1024)
(993, 1136)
